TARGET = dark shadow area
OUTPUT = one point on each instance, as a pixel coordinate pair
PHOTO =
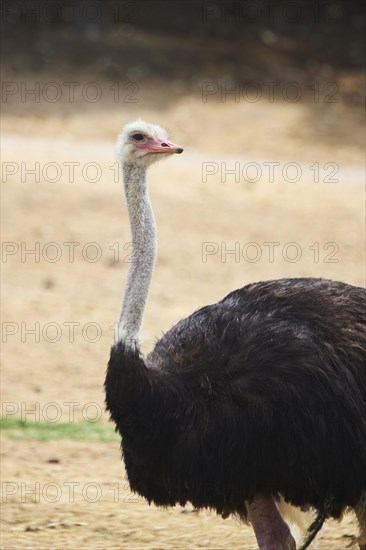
(193, 41)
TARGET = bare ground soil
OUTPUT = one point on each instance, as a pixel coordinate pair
(316, 229)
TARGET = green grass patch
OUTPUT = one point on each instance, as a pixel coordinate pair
(13, 428)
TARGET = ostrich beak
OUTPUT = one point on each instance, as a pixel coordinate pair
(162, 147)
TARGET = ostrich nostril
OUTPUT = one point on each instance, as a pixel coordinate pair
(164, 145)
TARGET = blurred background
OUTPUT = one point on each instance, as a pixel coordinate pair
(267, 99)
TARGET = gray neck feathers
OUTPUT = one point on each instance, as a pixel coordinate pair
(144, 247)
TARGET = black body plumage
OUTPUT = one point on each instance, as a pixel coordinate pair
(263, 392)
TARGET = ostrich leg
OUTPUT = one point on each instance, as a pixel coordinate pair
(271, 531)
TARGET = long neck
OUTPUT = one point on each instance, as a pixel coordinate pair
(143, 233)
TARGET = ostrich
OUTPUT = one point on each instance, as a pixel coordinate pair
(257, 398)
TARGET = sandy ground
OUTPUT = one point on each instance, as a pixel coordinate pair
(275, 226)
(83, 501)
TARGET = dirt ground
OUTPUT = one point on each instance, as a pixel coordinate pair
(275, 226)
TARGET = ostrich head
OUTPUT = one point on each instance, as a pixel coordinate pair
(141, 143)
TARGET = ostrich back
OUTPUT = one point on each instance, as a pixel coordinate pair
(262, 392)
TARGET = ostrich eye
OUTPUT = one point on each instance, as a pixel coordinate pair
(138, 137)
